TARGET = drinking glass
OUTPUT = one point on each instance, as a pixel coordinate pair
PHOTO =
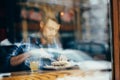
(34, 63)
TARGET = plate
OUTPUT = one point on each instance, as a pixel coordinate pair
(50, 67)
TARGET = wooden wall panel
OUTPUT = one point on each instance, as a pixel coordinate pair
(119, 18)
(116, 40)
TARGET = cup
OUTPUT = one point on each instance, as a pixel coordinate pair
(34, 63)
(34, 66)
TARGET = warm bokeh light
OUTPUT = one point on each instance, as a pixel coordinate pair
(61, 13)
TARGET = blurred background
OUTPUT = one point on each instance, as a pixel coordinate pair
(85, 24)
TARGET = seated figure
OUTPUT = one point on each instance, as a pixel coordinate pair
(14, 60)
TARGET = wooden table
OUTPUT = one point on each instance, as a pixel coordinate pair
(47, 75)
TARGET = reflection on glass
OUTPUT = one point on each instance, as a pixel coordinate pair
(83, 37)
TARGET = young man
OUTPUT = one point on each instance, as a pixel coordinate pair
(47, 37)
(16, 60)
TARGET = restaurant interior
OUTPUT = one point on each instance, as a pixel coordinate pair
(85, 39)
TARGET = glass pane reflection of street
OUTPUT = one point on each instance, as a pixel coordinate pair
(57, 35)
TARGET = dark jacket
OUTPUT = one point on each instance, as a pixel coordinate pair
(6, 52)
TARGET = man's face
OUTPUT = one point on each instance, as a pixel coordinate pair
(50, 29)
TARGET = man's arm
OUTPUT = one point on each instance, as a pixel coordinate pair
(16, 60)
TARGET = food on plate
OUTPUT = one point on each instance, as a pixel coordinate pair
(60, 63)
